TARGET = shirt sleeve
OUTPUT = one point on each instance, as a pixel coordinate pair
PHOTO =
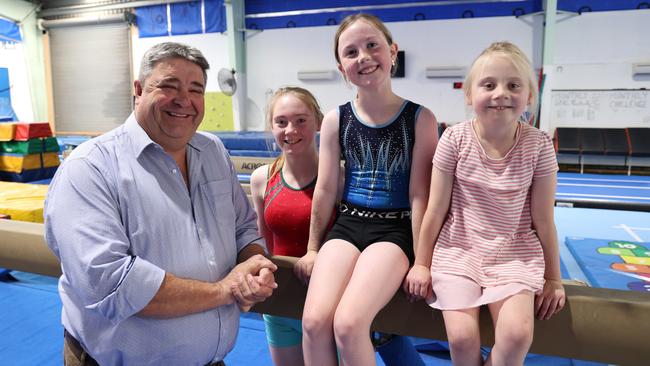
(546, 161)
(446, 155)
(246, 219)
(83, 227)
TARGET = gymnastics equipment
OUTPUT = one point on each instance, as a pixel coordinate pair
(602, 325)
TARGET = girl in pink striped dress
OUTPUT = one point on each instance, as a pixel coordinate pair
(488, 235)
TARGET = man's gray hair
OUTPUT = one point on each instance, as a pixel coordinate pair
(167, 50)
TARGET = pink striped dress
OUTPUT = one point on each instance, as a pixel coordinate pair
(487, 238)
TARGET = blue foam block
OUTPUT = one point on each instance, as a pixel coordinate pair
(604, 262)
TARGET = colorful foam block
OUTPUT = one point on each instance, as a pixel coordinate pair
(7, 131)
(32, 146)
(21, 201)
(27, 176)
(16, 163)
(26, 131)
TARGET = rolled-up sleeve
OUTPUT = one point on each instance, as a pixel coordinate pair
(83, 227)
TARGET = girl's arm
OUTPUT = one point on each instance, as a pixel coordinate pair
(542, 201)
(258, 187)
(326, 189)
(418, 280)
(426, 132)
(325, 193)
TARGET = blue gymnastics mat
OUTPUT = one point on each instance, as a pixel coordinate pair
(614, 264)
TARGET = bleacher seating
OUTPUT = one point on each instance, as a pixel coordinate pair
(639, 139)
(567, 144)
(603, 148)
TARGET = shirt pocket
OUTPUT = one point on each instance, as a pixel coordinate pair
(221, 217)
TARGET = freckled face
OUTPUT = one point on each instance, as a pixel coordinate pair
(293, 125)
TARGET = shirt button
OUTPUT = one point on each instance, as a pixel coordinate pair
(212, 263)
(173, 171)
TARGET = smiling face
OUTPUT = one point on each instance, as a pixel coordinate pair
(169, 104)
(365, 56)
(293, 125)
(499, 93)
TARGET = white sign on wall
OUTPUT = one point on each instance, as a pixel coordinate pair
(601, 108)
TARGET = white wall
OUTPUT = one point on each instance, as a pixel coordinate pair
(275, 56)
(592, 51)
(596, 51)
(13, 59)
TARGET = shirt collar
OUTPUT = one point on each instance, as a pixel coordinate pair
(137, 134)
(141, 140)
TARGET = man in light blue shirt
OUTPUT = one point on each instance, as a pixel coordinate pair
(157, 240)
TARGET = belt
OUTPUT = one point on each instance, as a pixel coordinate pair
(80, 353)
(77, 350)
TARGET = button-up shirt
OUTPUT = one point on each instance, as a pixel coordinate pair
(119, 215)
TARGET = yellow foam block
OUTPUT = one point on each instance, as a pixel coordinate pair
(22, 201)
(7, 131)
(17, 163)
(50, 159)
(636, 260)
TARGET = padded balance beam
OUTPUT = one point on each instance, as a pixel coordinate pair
(22, 247)
(602, 325)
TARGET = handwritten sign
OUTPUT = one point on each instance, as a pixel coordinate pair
(601, 108)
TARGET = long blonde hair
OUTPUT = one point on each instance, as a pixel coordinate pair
(304, 96)
(518, 59)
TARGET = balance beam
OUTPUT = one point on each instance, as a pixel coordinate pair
(22, 247)
(601, 325)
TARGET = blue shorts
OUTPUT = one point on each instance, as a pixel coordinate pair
(282, 332)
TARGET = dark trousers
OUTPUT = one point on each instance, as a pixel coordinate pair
(75, 355)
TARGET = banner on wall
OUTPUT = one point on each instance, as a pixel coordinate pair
(7, 113)
(9, 31)
(192, 17)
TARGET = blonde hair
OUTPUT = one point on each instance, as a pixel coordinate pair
(520, 62)
(372, 20)
(304, 96)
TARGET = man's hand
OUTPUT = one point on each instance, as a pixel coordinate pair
(251, 281)
(303, 267)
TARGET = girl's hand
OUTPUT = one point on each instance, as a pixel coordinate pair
(551, 300)
(417, 284)
(303, 267)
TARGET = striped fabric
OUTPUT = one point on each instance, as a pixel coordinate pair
(488, 235)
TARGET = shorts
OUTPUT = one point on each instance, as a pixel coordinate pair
(456, 292)
(281, 331)
(362, 227)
